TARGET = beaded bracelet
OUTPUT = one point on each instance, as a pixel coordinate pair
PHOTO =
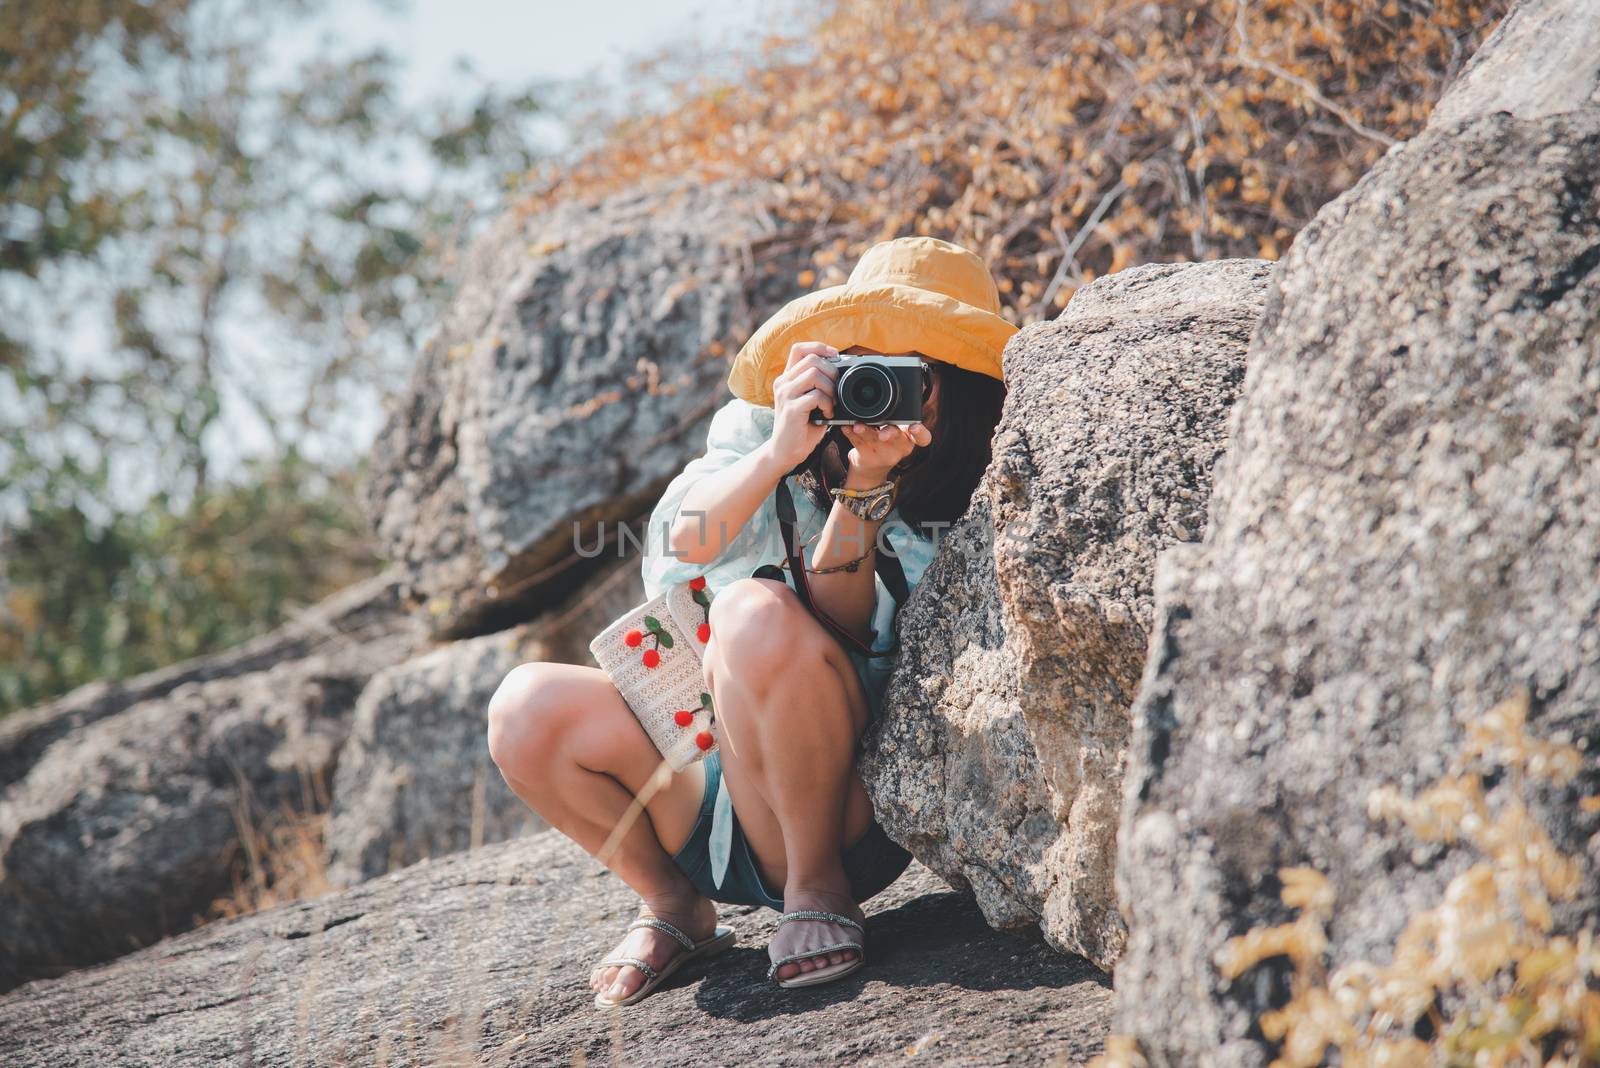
(848, 565)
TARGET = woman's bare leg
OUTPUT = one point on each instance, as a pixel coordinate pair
(790, 708)
(570, 748)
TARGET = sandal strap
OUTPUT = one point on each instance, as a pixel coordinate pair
(820, 917)
(826, 917)
(662, 925)
(796, 957)
(650, 973)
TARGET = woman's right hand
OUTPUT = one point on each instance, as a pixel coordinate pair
(805, 383)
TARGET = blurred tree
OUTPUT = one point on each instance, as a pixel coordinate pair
(199, 259)
(155, 586)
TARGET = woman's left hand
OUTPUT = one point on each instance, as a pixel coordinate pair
(878, 448)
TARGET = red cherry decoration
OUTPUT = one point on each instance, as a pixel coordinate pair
(698, 582)
(633, 638)
(703, 740)
(703, 632)
(651, 658)
(683, 717)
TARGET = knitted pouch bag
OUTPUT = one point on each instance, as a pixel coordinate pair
(653, 655)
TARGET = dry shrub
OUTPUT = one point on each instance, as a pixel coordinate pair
(1061, 141)
(1483, 972)
(280, 863)
(279, 855)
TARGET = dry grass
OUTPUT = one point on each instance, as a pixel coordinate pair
(277, 862)
(278, 856)
(1060, 140)
(1484, 971)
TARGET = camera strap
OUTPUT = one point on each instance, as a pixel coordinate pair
(887, 565)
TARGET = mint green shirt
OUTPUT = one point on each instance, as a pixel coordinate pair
(737, 428)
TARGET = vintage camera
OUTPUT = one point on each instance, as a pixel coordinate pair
(877, 390)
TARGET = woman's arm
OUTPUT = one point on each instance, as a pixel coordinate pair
(848, 597)
(714, 511)
(718, 506)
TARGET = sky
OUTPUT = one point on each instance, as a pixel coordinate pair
(512, 41)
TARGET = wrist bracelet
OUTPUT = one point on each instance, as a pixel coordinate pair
(871, 505)
(848, 565)
(882, 487)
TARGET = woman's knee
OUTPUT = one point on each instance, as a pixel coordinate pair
(759, 628)
(527, 715)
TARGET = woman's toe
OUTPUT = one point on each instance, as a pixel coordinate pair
(621, 987)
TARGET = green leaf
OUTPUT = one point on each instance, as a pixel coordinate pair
(652, 624)
(705, 700)
(664, 639)
(700, 598)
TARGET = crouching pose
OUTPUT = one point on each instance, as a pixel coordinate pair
(777, 815)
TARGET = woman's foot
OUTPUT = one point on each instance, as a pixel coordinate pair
(694, 915)
(794, 937)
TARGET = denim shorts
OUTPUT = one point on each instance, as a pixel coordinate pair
(871, 863)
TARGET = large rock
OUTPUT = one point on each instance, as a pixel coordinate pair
(131, 827)
(999, 762)
(573, 375)
(1543, 59)
(415, 779)
(1405, 532)
(365, 611)
(483, 958)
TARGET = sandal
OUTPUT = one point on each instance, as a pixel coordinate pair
(722, 938)
(832, 971)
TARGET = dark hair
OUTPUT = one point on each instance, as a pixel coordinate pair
(937, 480)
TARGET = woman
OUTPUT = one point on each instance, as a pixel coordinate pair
(778, 815)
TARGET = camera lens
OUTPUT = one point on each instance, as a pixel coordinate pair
(866, 392)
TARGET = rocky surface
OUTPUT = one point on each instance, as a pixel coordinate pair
(1543, 59)
(573, 375)
(1404, 533)
(363, 612)
(128, 828)
(999, 761)
(415, 779)
(483, 958)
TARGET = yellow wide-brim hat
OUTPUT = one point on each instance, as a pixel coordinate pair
(912, 294)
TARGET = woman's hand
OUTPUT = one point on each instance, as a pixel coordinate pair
(878, 448)
(805, 383)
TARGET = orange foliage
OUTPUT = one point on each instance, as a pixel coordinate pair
(1060, 140)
